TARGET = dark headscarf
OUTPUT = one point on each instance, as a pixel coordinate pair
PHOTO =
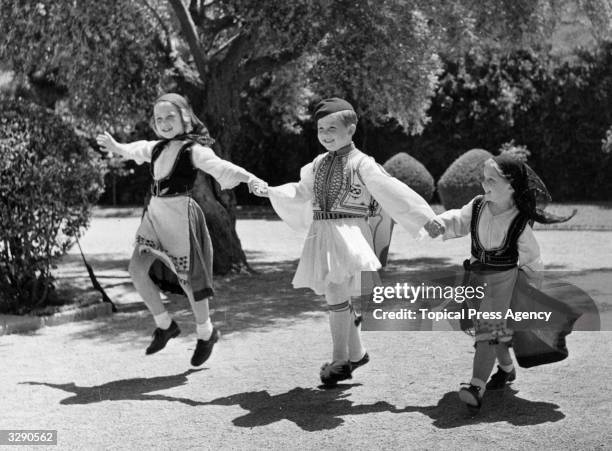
(198, 133)
(530, 193)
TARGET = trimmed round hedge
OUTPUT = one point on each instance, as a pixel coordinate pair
(461, 182)
(411, 172)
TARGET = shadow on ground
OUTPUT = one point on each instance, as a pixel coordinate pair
(310, 409)
(501, 406)
(314, 409)
(136, 389)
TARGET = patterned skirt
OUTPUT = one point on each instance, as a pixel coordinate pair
(174, 230)
(498, 286)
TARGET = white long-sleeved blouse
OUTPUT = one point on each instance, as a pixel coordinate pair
(492, 231)
(293, 202)
(227, 174)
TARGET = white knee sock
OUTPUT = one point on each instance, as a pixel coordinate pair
(162, 320)
(356, 349)
(339, 323)
(201, 310)
(204, 330)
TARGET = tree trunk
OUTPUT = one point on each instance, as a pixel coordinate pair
(219, 208)
(217, 102)
(220, 112)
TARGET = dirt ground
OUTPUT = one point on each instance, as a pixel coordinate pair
(92, 382)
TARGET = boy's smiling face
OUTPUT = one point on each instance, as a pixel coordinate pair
(168, 121)
(332, 132)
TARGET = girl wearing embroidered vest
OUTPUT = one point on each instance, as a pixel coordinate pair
(173, 228)
(333, 200)
(502, 242)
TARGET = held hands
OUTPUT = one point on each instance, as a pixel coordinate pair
(434, 228)
(107, 143)
(258, 187)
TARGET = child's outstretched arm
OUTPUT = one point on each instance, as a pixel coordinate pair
(140, 151)
(456, 222)
(292, 202)
(404, 205)
(228, 174)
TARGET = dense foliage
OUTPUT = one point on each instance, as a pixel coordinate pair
(101, 60)
(560, 113)
(49, 181)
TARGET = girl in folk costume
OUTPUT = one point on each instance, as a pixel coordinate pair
(333, 199)
(502, 243)
(173, 228)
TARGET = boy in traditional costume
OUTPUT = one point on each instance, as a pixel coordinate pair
(346, 201)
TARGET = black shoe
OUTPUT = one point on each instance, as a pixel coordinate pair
(470, 395)
(499, 380)
(365, 359)
(161, 337)
(332, 373)
(204, 349)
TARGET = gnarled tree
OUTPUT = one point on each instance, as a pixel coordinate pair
(104, 62)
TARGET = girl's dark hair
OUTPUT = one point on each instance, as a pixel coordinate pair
(530, 193)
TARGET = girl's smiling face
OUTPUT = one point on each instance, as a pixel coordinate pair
(168, 120)
(496, 187)
(332, 132)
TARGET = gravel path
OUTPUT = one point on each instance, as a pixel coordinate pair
(92, 382)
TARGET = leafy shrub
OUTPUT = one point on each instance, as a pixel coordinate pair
(521, 153)
(411, 172)
(560, 112)
(461, 181)
(49, 180)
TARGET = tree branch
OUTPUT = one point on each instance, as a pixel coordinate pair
(197, 9)
(223, 46)
(169, 46)
(184, 71)
(236, 49)
(268, 63)
(189, 30)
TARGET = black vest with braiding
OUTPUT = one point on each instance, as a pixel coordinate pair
(504, 257)
(181, 178)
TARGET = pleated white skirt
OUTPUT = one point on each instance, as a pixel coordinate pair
(336, 251)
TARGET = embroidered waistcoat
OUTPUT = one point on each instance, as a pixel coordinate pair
(506, 255)
(339, 191)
